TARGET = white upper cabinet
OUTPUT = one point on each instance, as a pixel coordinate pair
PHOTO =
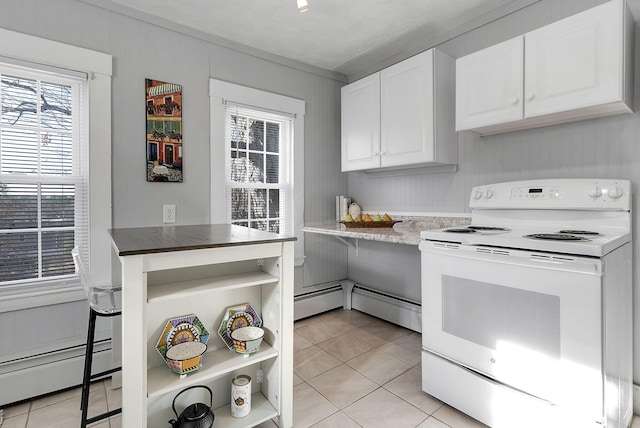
(407, 112)
(575, 63)
(576, 68)
(409, 124)
(361, 124)
(489, 85)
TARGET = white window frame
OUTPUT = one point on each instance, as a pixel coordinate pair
(220, 93)
(22, 48)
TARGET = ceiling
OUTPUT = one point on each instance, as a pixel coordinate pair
(343, 36)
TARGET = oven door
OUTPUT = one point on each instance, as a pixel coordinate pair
(531, 321)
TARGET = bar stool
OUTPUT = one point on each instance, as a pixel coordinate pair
(104, 301)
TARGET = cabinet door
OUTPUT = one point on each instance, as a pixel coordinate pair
(576, 62)
(361, 124)
(407, 114)
(489, 85)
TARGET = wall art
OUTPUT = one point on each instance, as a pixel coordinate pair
(164, 131)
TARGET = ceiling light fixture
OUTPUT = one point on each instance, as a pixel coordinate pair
(303, 5)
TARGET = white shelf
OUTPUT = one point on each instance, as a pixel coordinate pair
(239, 264)
(160, 380)
(177, 290)
(261, 411)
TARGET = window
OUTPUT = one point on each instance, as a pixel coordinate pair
(257, 160)
(43, 175)
(47, 189)
(259, 181)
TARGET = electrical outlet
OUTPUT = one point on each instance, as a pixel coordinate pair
(168, 213)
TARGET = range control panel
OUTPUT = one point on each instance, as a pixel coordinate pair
(536, 193)
(568, 194)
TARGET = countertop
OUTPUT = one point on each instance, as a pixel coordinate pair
(407, 232)
(148, 240)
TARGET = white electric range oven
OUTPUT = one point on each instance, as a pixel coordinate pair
(526, 313)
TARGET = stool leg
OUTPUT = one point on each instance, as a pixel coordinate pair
(88, 360)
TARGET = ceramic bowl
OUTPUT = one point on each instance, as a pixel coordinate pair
(185, 357)
(247, 340)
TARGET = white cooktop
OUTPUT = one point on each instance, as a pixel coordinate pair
(548, 207)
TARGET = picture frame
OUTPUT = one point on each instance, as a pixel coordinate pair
(164, 147)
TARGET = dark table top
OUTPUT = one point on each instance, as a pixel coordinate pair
(160, 239)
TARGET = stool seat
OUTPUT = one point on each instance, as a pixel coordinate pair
(104, 301)
(103, 297)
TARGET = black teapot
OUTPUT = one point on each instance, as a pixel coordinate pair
(197, 415)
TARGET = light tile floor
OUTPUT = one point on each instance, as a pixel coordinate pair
(63, 409)
(350, 370)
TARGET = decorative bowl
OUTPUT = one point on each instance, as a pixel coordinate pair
(185, 357)
(236, 317)
(247, 340)
(184, 329)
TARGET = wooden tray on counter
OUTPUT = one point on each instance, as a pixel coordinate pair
(369, 224)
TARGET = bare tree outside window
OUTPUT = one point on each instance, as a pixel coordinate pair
(254, 181)
(37, 206)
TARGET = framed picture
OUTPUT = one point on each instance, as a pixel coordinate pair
(164, 131)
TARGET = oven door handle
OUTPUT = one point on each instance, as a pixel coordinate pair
(561, 262)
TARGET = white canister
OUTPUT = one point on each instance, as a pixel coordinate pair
(240, 396)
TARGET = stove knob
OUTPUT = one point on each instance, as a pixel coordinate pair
(596, 192)
(615, 193)
(477, 195)
(489, 194)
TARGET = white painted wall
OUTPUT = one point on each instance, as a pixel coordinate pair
(142, 50)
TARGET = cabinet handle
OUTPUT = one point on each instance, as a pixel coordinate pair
(515, 101)
(531, 96)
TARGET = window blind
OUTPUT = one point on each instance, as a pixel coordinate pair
(43, 174)
(259, 168)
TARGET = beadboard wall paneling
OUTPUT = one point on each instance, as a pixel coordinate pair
(398, 267)
(44, 329)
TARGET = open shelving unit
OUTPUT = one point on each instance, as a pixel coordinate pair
(158, 286)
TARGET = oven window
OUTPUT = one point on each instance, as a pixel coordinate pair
(488, 314)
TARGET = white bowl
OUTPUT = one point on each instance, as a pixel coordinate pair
(185, 357)
(247, 340)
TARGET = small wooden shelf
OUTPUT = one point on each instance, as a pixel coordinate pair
(160, 380)
(261, 411)
(177, 290)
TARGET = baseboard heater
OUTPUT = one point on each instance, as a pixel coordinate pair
(349, 295)
(398, 310)
(318, 301)
(49, 372)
